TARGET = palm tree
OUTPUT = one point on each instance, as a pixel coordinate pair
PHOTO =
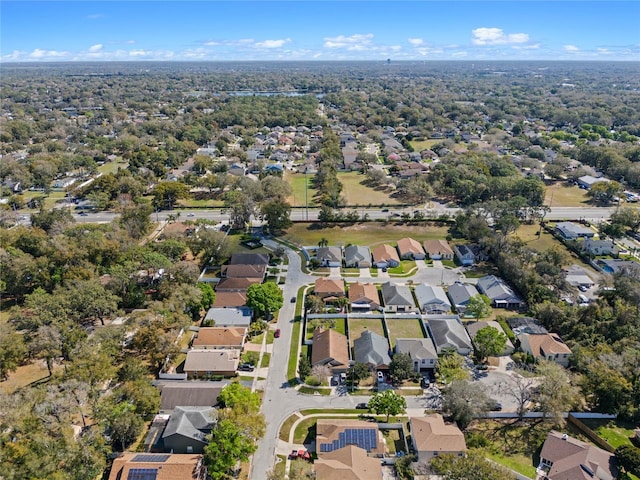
(323, 242)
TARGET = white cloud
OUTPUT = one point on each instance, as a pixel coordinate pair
(39, 53)
(354, 42)
(459, 54)
(130, 42)
(496, 36)
(95, 48)
(139, 53)
(416, 42)
(604, 51)
(272, 43)
(571, 48)
(212, 44)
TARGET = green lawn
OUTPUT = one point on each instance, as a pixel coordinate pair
(418, 146)
(292, 365)
(192, 203)
(404, 329)
(339, 324)
(266, 358)
(562, 195)
(356, 193)
(298, 195)
(113, 167)
(357, 326)
(527, 233)
(369, 233)
(405, 268)
(616, 433)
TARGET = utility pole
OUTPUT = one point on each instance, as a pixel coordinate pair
(306, 194)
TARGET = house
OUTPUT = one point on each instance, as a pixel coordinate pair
(329, 289)
(237, 170)
(229, 299)
(577, 276)
(249, 259)
(525, 325)
(364, 296)
(64, 182)
(438, 249)
(432, 437)
(229, 317)
(330, 348)
(599, 247)
(573, 231)
(347, 463)
(373, 350)
(588, 181)
(545, 346)
(448, 332)
(613, 266)
(563, 457)
(329, 256)
(333, 434)
(236, 284)
(397, 298)
(422, 352)
(432, 299)
(357, 256)
(208, 363)
(159, 466)
(385, 256)
(189, 394)
(243, 270)
(408, 248)
(187, 429)
(219, 338)
(460, 294)
(465, 255)
(473, 328)
(500, 294)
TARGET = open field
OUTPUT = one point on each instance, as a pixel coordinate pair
(403, 329)
(358, 326)
(418, 146)
(296, 180)
(25, 375)
(562, 195)
(113, 167)
(369, 233)
(355, 193)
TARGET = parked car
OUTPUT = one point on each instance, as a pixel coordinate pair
(583, 288)
(335, 380)
(424, 382)
(293, 299)
(495, 406)
(362, 406)
(246, 367)
(380, 377)
(276, 334)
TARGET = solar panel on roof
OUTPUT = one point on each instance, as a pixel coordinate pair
(154, 458)
(142, 474)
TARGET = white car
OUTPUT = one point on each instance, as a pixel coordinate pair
(191, 214)
(380, 377)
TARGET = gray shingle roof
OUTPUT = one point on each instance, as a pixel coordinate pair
(397, 294)
(460, 293)
(448, 331)
(191, 422)
(372, 349)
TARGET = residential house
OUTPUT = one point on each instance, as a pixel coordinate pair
(347, 463)
(385, 256)
(564, 457)
(432, 437)
(422, 352)
(364, 296)
(545, 346)
(230, 299)
(64, 182)
(229, 316)
(448, 332)
(243, 270)
(588, 181)
(219, 338)
(397, 298)
(599, 247)
(159, 466)
(460, 294)
(329, 256)
(333, 434)
(187, 429)
(525, 325)
(373, 350)
(189, 394)
(465, 254)
(329, 289)
(438, 249)
(408, 248)
(473, 328)
(432, 299)
(237, 170)
(236, 284)
(613, 266)
(500, 294)
(357, 256)
(249, 259)
(573, 231)
(330, 348)
(577, 276)
(208, 363)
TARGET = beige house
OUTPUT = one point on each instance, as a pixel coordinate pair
(432, 437)
(347, 463)
(438, 249)
(408, 248)
(220, 338)
(329, 288)
(207, 363)
(385, 256)
(330, 348)
(546, 346)
(163, 466)
(364, 296)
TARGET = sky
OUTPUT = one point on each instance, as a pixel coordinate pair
(45, 31)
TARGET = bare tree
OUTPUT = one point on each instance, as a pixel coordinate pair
(521, 390)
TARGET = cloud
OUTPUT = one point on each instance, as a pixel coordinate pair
(130, 42)
(604, 51)
(355, 42)
(272, 43)
(139, 53)
(39, 54)
(416, 42)
(96, 16)
(496, 36)
(95, 48)
(571, 48)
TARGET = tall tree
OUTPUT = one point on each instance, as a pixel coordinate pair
(556, 395)
(401, 367)
(12, 350)
(277, 214)
(227, 445)
(464, 401)
(479, 306)
(387, 403)
(488, 342)
(265, 298)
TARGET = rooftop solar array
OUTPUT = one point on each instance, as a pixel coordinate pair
(157, 458)
(363, 438)
(142, 474)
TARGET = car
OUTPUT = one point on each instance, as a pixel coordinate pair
(293, 299)
(83, 214)
(583, 288)
(482, 367)
(246, 367)
(343, 377)
(496, 407)
(384, 269)
(380, 377)
(191, 214)
(362, 406)
(276, 334)
(384, 210)
(424, 382)
(510, 365)
(335, 381)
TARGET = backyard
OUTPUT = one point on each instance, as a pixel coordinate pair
(563, 195)
(616, 433)
(404, 329)
(338, 324)
(358, 326)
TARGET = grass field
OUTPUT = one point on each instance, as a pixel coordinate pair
(418, 146)
(192, 203)
(616, 433)
(113, 167)
(370, 233)
(23, 376)
(562, 195)
(296, 180)
(527, 233)
(356, 193)
(357, 326)
(403, 329)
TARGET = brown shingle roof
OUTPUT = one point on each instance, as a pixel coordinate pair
(329, 346)
(383, 253)
(437, 247)
(431, 434)
(569, 455)
(220, 336)
(329, 285)
(211, 361)
(549, 343)
(184, 467)
(244, 271)
(236, 284)
(363, 292)
(328, 430)
(348, 463)
(409, 245)
(230, 299)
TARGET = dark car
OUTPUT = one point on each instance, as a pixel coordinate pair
(276, 334)
(293, 299)
(362, 406)
(424, 382)
(496, 406)
(246, 367)
(385, 210)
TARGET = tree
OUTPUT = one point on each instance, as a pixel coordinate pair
(521, 390)
(611, 230)
(304, 367)
(603, 193)
(401, 367)
(464, 401)
(358, 372)
(556, 395)
(208, 295)
(12, 350)
(135, 219)
(265, 298)
(124, 424)
(227, 445)
(166, 194)
(489, 342)
(211, 246)
(387, 403)
(46, 344)
(236, 396)
(629, 217)
(628, 457)
(479, 306)
(473, 466)
(451, 367)
(277, 214)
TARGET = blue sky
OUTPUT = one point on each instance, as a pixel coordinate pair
(319, 30)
